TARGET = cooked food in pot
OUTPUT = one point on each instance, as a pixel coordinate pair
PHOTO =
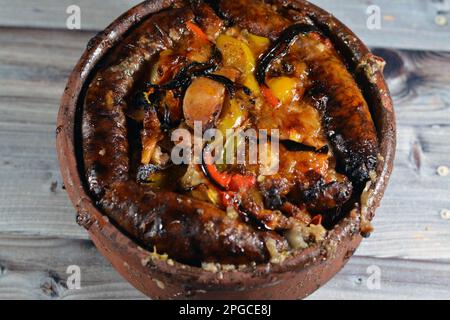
(253, 66)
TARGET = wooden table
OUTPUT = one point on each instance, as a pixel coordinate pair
(39, 238)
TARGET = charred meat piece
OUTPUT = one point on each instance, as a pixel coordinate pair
(207, 19)
(252, 206)
(320, 196)
(259, 18)
(305, 178)
(347, 118)
(187, 229)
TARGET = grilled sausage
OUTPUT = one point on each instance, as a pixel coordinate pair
(190, 230)
(258, 18)
(207, 18)
(320, 196)
(347, 118)
(105, 145)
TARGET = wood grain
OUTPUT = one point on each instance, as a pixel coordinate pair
(399, 280)
(34, 66)
(36, 268)
(406, 24)
(39, 237)
(95, 14)
(408, 224)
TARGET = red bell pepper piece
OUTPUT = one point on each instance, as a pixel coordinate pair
(197, 31)
(269, 96)
(223, 179)
(240, 182)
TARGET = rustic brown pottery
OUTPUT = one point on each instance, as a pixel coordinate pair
(299, 275)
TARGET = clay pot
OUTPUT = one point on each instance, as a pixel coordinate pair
(300, 274)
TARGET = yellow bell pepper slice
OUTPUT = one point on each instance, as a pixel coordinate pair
(257, 40)
(283, 88)
(258, 44)
(232, 116)
(251, 83)
(236, 53)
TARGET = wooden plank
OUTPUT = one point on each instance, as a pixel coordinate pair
(36, 268)
(399, 280)
(406, 24)
(34, 66)
(407, 225)
(39, 237)
(95, 14)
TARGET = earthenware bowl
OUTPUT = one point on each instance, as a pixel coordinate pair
(299, 275)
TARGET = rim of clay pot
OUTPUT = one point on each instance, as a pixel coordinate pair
(368, 71)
